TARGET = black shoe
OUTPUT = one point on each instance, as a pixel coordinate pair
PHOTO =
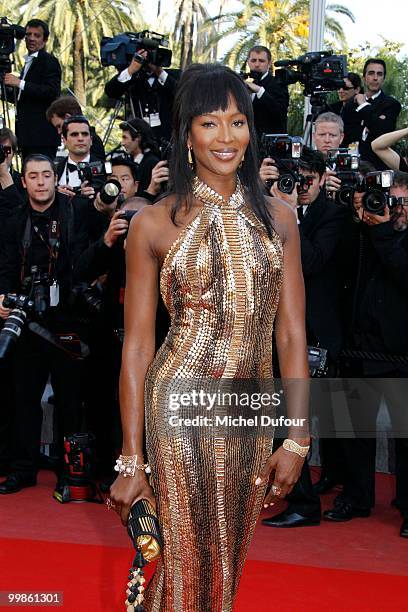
(404, 528)
(291, 519)
(324, 485)
(15, 483)
(344, 511)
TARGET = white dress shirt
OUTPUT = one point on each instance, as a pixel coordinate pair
(28, 61)
(71, 177)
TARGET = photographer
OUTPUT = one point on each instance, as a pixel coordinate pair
(377, 293)
(9, 179)
(320, 227)
(126, 173)
(270, 97)
(38, 85)
(373, 113)
(76, 133)
(65, 107)
(151, 90)
(138, 140)
(352, 86)
(49, 232)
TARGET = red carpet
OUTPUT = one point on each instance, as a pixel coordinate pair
(82, 550)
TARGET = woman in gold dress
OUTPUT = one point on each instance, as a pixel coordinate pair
(227, 260)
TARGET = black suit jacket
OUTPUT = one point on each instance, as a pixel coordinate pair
(320, 231)
(379, 117)
(271, 109)
(74, 219)
(42, 86)
(158, 98)
(145, 171)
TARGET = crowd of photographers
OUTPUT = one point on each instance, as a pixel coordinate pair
(63, 229)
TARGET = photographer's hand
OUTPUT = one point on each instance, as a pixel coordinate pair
(105, 209)
(289, 198)
(333, 183)
(87, 190)
(117, 227)
(66, 190)
(6, 180)
(12, 80)
(252, 86)
(4, 312)
(160, 174)
(371, 219)
(268, 171)
(135, 65)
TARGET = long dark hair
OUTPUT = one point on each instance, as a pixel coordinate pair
(204, 88)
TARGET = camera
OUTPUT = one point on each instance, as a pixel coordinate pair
(119, 50)
(110, 191)
(255, 75)
(90, 296)
(286, 151)
(8, 33)
(376, 187)
(318, 71)
(347, 165)
(33, 300)
(127, 215)
(4, 152)
(91, 171)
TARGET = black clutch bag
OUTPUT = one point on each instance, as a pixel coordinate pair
(144, 531)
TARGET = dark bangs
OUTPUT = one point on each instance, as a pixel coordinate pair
(210, 88)
(204, 88)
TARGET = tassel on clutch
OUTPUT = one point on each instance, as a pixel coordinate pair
(144, 531)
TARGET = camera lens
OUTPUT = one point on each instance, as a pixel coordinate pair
(345, 196)
(110, 191)
(375, 202)
(286, 183)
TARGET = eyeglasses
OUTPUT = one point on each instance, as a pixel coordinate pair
(347, 87)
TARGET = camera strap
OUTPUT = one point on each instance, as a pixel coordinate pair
(52, 244)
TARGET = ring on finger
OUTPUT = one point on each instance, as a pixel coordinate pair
(275, 490)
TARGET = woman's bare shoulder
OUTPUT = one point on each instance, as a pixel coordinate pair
(284, 218)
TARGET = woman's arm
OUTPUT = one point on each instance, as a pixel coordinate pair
(382, 147)
(292, 353)
(141, 298)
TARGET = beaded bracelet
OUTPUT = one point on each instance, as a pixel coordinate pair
(294, 447)
(127, 465)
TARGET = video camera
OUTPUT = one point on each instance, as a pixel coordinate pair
(319, 72)
(8, 33)
(346, 163)
(285, 151)
(119, 50)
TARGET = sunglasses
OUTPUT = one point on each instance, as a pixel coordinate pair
(347, 87)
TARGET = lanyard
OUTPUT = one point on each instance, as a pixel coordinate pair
(52, 244)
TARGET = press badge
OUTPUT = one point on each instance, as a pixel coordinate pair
(154, 120)
(54, 294)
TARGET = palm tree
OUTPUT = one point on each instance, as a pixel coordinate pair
(189, 36)
(77, 27)
(280, 25)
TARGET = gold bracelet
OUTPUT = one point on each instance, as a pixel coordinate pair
(294, 447)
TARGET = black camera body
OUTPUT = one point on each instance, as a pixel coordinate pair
(346, 165)
(286, 151)
(8, 33)
(119, 50)
(4, 152)
(90, 296)
(376, 187)
(33, 300)
(94, 171)
(318, 71)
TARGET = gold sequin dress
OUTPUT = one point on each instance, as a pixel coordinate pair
(220, 282)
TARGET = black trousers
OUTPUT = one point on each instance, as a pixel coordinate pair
(34, 361)
(359, 453)
(7, 411)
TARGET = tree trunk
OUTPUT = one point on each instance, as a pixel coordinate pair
(79, 66)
